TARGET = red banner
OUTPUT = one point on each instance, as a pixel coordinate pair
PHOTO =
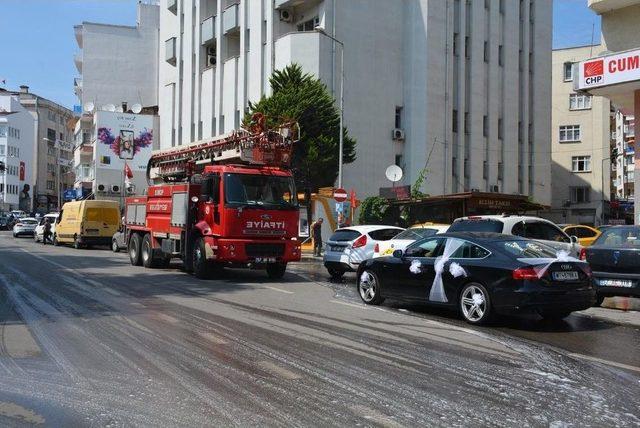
(22, 167)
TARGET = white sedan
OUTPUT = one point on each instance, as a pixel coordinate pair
(407, 237)
(25, 226)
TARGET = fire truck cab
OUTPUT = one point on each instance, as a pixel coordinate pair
(222, 215)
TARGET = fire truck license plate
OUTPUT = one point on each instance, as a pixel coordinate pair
(265, 259)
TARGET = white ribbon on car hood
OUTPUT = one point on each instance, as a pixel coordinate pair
(542, 265)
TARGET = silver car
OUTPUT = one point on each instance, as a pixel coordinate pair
(25, 226)
(349, 246)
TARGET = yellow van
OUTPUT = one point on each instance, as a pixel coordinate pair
(83, 223)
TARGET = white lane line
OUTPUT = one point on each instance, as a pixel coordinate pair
(167, 318)
(374, 416)
(607, 362)
(277, 370)
(278, 289)
(353, 305)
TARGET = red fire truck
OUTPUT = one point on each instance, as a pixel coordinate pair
(228, 202)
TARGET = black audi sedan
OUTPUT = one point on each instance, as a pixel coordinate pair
(480, 274)
(615, 260)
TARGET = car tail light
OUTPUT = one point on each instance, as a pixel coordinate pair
(360, 242)
(525, 273)
(583, 254)
(376, 249)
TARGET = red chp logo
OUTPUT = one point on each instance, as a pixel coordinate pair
(593, 71)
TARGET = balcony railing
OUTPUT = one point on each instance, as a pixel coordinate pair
(77, 59)
(172, 5)
(230, 21)
(208, 30)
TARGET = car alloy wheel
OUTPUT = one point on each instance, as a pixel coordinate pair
(369, 288)
(474, 303)
(114, 246)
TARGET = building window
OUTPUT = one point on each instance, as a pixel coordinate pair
(500, 129)
(467, 47)
(398, 121)
(568, 71)
(502, 7)
(485, 170)
(580, 195)
(399, 162)
(466, 122)
(454, 121)
(500, 55)
(455, 44)
(50, 185)
(569, 133)
(581, 163)
(500, 171)
(485, 126)
(579, 102)
(486, 51)
(3, 130)
(51, 134)
(309, 25)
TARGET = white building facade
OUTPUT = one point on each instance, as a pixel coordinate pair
(465, 82)
(17, 154)
(119, 64)
(624, 156)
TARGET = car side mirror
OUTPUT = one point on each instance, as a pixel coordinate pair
(398, 254)
(574, 239)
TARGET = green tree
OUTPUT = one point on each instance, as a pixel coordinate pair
(373, 210)
(304, 98)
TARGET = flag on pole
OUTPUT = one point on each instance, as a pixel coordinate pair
(127, 171)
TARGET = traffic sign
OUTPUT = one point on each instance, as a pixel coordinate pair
(340, 195)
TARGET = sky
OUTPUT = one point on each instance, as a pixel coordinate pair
(37, 41)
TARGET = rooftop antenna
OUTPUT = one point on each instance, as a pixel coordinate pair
(593, 28)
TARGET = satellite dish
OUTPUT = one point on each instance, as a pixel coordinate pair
(393, 173)
(136, 108)
(110, 107)
(119, 109)
(89, 107)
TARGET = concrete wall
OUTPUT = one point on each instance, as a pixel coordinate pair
(120, 63)
(397, 54)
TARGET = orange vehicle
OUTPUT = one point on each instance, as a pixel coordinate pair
(586, 234)
(229, 202)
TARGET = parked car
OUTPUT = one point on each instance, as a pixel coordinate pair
(535, 228)
(39, 231)
(18, 214)
(5, 222)
(403, 239)
(484, 274)
(615, 260)
(118, 241)
(84, 223)
(350, 246)
(586, 234)
(25, 226)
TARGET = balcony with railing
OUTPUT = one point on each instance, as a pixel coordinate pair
(208, 30)
(77, 29)
(310, 49)
(602, 6)
(230, 21)
(170, 51)
(77, 59)
(77, 86)
(172, 5)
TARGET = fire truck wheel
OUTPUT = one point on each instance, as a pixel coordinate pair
(276, 270)
(146, 253)
(134, 250)
(201, 266)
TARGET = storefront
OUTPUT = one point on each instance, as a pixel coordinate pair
(446, 208)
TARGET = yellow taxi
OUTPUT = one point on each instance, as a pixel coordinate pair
(586, 234)
(403, 239)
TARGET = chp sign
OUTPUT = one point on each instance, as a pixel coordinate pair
(607, 70)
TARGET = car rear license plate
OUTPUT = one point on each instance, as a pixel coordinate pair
(565, 276)
(265, 259)
(616, 283)
(337, 249)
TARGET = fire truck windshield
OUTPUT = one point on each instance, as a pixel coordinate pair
(265, 191)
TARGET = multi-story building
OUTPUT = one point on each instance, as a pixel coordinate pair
(119, 64)
(459, 87)
(53, 161)
(17, 154)
(624, 136)
(615, 74)
(580, 145)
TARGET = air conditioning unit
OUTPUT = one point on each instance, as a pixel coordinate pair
(397, 134)
(475, 190)
(211, 56)
(286, 15)
(115, 188)
(495, 188)
(101, 187)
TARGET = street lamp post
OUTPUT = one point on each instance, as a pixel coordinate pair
(321, 30)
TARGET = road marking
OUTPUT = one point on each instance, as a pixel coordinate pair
(353, 305)
(212, 337)
(167, 318)
(374, 416)
(277, 370)
(277, 289)
(607, 362)
(17, 412)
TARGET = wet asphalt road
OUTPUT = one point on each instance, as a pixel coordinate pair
(86, 339)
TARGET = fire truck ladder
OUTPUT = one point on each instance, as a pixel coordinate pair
(255, 145)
